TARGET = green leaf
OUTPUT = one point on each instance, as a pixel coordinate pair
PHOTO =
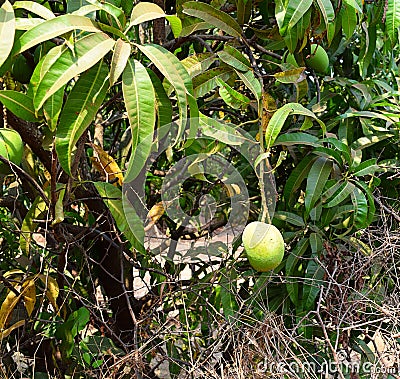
(331, 30)
(332, 186)
(79, 111)
(275, 125)
(368, 49)
(251, 82)
(52, 108)
(173, 70)
(392, 22)
(360, 208)
(207, 81)
(313, 282)
(19, 104)
(112, 195)
(280, 12)
(112, 30)
(35, 8)
(67, 331)
(78, 320)
(176, 25)
(330, 153)
(198, 63)
(53, 28)
(231, 97)
(349, 21)
(290, 218)
(194, 117)
(278, 119)
(88, 51)
(300, 110)
(145, 11)
(292, 282)
(369, 114)
(317, 177)
(368, 167)
(139, 98)
(43, 66)
(45, 63)
(308, 122)
(299, 138)
(82, 10)
(213, 16)
(342, 147)
(342, 193)
(296, 177)
(360, 346)
(76, 5)
(191, 28)
(7, 30)
(27, 23)
(295, 10)
(164, 106)
(291, 38)
(364, 142)
(371, 201)
(97, 344)
(122, 51)
(116, 13)
(327, 11)
(225, 133)
(356, 4)
(234, 58)
(316, 244)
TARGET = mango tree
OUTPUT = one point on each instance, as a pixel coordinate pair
(132, 116)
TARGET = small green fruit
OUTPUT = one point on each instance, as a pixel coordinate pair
(264, 245)
(11, 147)
(319, 60)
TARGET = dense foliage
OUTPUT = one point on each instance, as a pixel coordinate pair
(161, 120)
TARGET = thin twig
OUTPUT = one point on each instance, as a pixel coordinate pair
(328, 341)
(387, 209)
(202, 43)
(264, 50)
(18, 170)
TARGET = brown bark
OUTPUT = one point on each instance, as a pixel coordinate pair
(159, 26)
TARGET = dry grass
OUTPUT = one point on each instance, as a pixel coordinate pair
(359, 300)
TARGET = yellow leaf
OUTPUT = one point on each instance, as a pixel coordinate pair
(269, 107)
(106, 164)
(59, 207)
(27, 291)
(52, 290)
(29, 225)
(269, 103)
(12, 273)
(7, 307)
(29, 295)
(8, 331)
(156, 211)
(232, 189)
(291, 76)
